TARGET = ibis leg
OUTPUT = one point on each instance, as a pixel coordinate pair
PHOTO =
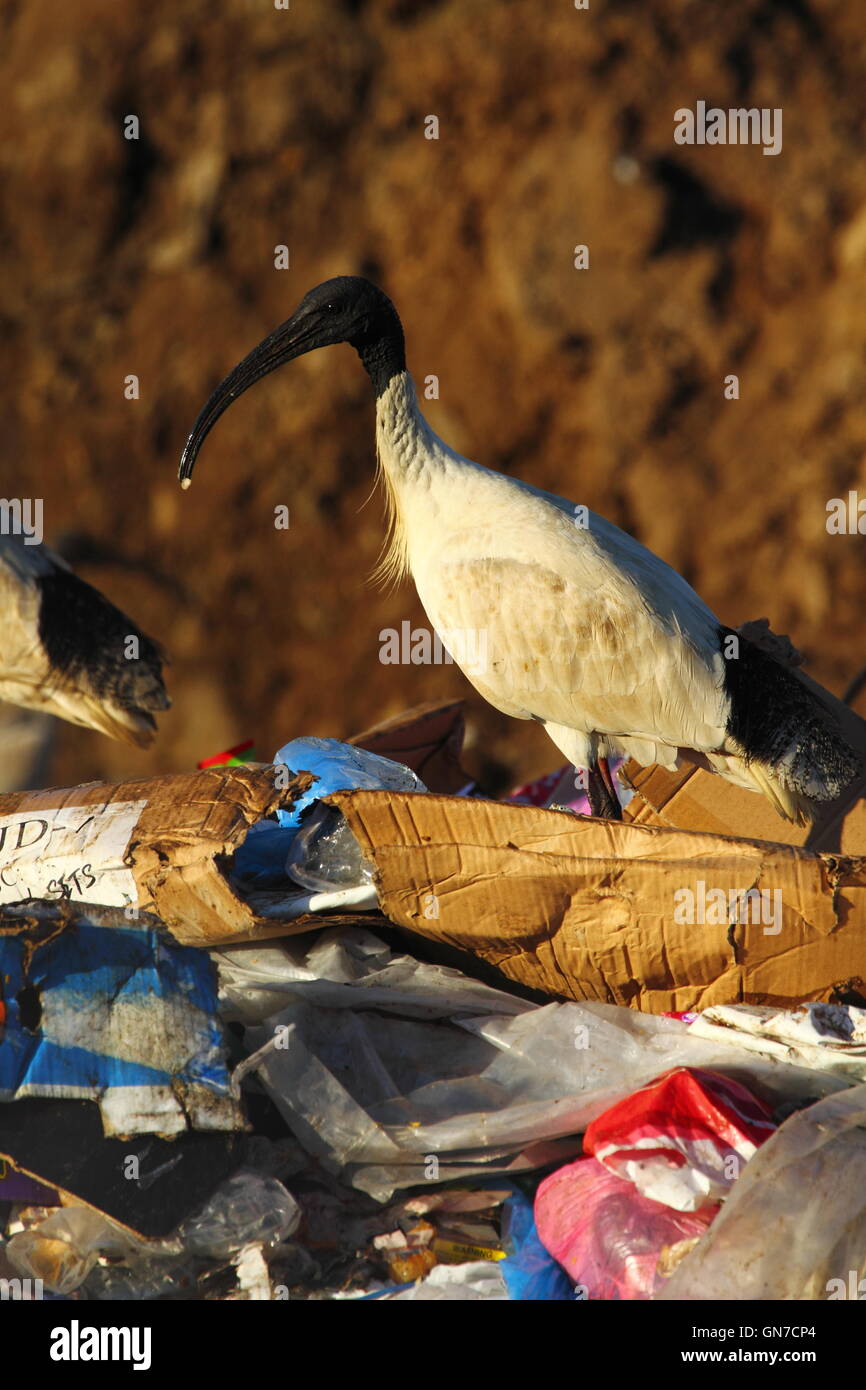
(603, 800)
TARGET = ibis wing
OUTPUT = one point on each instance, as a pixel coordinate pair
(63, 648)
(608, 660)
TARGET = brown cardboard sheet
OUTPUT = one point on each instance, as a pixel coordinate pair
(587, 909)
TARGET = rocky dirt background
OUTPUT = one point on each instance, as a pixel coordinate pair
(305, 127)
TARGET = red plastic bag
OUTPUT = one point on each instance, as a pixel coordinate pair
(682, 1139)
(614, 1243)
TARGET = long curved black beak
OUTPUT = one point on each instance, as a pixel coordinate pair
(292, 339)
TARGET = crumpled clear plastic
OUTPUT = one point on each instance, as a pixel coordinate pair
(325, 854)
(314, 845)
(246, 1209)
(388, 1101)
(64, 1248)
(348, 968)
(338, 766)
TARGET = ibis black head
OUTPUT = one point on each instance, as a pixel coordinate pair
(347, 309)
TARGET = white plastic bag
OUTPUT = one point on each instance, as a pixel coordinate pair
(794, 1226)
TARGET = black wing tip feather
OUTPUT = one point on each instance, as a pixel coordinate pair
(85, 638)
(778, 721)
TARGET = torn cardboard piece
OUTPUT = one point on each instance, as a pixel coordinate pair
(164, 846)
(161, 846)
(587, 909)
(98, 1008)
(428, 739)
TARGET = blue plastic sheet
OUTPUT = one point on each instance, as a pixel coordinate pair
(338, 766)
(529, 1271)
(261, 859)
(117, 1013)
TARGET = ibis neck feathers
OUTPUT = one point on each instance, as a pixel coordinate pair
(412, 460)
(411, 454)
(404, 440)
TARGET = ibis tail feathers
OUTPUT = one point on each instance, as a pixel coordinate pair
(783, 740)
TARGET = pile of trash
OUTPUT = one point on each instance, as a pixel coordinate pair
(341, 1027)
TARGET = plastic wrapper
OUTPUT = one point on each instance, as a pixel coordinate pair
(247, 1209)
(408, 1254)
(682, 1140)
(260, 859)
(324, 853)
(794, 1226)
(614, 1243)
(480, 1281)
(822, 1036)
(338, 766)
(63, 1249)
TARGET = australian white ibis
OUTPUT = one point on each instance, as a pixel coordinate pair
(583, 628)
(65, 650)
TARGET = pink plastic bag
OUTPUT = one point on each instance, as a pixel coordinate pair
(614, 1243)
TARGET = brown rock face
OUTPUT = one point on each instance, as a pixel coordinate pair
(306, 128)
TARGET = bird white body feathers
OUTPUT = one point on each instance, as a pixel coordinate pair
(581, 626)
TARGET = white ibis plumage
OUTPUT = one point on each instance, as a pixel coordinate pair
(584, 629)
(65, 650)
